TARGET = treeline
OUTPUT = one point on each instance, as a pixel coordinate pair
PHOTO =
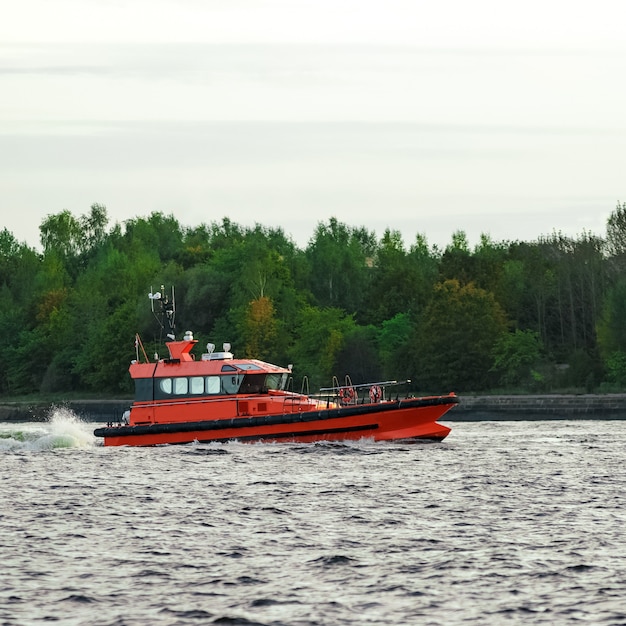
(548, 315)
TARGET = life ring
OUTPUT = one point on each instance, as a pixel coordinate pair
(347, 395)
(375, 393)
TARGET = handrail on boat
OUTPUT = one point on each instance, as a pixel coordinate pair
(304, 390)
(293, 401)
(354, 396)
(337, 387)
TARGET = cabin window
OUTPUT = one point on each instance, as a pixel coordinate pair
(143, 389)
(181, 386)
(196, 384)
(262, 383)
(165, 385)
(253, 383)
(226, 384)
(276, 381)
(249, 366)
(231, 383)
(213, 384)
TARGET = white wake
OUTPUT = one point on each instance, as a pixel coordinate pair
(63, 429)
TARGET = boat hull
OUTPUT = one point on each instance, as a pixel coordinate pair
(413, 418)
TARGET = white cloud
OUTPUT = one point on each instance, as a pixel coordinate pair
(515, 111)
(447, 23)
(510, 184)
(305, 82)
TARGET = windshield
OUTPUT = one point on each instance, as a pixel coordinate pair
(262, 383)
(276, 381)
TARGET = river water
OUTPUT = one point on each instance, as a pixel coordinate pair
(503, 522)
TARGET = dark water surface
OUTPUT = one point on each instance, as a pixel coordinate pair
(507, 522)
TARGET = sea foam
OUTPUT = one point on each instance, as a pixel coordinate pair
(63, 429)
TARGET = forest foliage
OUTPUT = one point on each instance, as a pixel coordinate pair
(541, 316)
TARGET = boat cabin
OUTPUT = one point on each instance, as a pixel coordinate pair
(216, 374)
(225, 384)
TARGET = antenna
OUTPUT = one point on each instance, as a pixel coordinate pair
(169, 309)
(164, 311)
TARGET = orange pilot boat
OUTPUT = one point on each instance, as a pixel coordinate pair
(181, 399)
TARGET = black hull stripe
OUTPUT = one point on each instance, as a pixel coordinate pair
(293, 434)
(272, 420)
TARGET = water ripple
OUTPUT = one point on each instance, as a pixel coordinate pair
(504, 522)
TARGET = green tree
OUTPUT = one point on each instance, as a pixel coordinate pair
(529, 289)
(104, 366)
(20, 265)
(320, 336)
(612, 332)
(339, 259)
(578, 270)
(616, 368)
(359, 357)
(456, 261)
(611, 325)
(516, 357)
(394, 346)
(159, 235)
(260, 329)
(489, 258)
(93, 228)
(395, 280)
(256, 263)
(456, 337)
(108, 305)
(61, 233)
(616, 231)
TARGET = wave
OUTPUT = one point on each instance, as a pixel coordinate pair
(63, 429)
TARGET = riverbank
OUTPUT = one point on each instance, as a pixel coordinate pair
(470, 408)
(539, 407)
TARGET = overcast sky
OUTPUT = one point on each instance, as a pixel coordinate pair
(425, 117)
